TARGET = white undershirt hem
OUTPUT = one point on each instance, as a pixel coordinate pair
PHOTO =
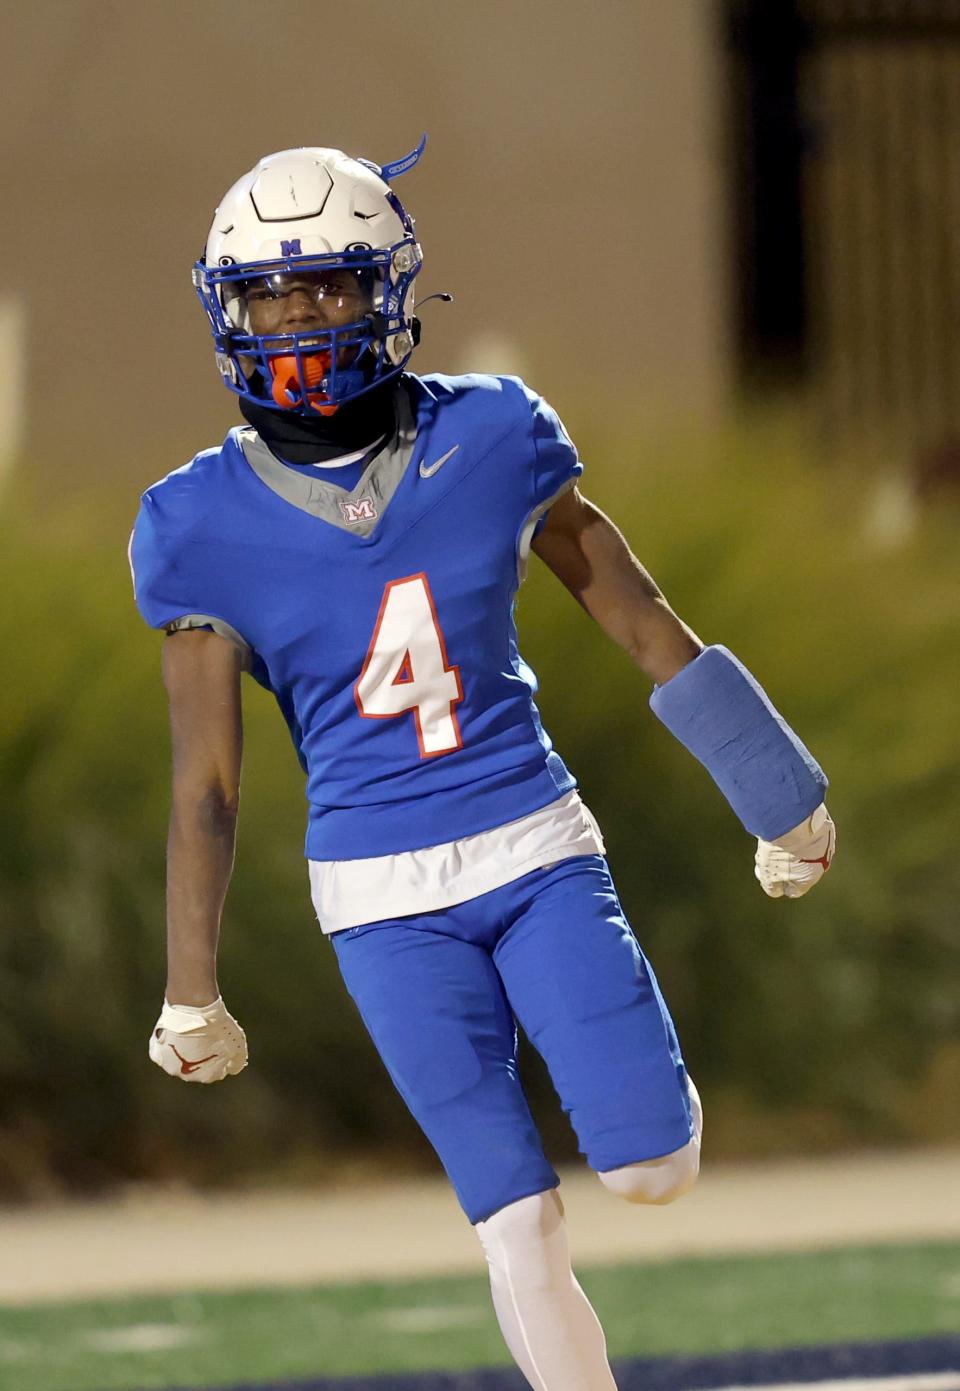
(349, 893)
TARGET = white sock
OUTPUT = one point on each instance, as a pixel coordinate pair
(546, 1319)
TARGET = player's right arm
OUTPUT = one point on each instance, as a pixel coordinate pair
(196, 1038)
(201, 672)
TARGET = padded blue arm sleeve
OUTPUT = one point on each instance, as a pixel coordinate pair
(724, 717)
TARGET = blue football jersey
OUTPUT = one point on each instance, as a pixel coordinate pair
(381, 617)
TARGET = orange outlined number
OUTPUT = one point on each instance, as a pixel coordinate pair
(407, 668)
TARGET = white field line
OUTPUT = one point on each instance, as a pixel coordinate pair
(916, 1381)
(150, 1241)
(11, 1351)
(140, 1337)
(431, 1318)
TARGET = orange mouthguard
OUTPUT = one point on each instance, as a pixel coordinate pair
(288, 390)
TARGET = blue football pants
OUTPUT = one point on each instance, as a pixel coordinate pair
(440, 992)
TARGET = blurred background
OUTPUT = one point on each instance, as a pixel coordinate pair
(720, 236)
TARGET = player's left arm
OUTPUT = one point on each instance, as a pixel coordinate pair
(708, 699)
(589, 555)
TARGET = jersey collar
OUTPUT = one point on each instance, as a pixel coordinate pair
(358, 510)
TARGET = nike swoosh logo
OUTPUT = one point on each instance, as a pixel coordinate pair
(429, 472)
(187, 1067)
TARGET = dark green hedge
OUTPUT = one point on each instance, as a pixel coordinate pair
(808, 1024)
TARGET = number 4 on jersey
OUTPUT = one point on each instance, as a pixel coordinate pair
(407, 668)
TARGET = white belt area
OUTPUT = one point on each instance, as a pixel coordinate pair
(348, 893)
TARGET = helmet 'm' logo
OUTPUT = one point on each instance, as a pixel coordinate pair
(291, 248)
(362, 510)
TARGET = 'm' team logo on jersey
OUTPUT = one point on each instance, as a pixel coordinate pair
(362, 510)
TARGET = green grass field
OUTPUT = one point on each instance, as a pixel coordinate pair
(686, 1306)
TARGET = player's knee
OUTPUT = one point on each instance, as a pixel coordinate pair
(523, 1231)
(662, 1180)
(656, 1181)
(528, 1219)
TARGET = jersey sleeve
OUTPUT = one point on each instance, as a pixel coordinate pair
(555, 469)
(556, 464)
(168, 590)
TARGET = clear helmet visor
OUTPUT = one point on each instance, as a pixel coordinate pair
(292, 301)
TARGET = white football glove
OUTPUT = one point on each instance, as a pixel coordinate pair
(789, 866)
(198, 1043)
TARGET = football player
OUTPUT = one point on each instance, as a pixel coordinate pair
(356, 546)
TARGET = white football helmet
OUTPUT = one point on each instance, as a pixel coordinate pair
(312, 221)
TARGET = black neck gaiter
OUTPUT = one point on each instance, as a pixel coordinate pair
(298, 440)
